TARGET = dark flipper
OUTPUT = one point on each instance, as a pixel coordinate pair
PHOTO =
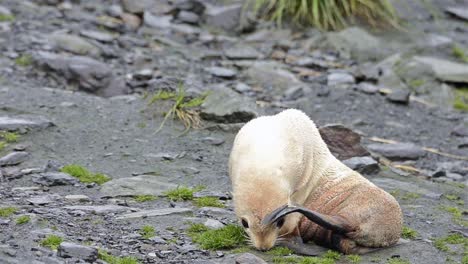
(333, 223)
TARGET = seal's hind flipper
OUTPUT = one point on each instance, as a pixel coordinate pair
(334, 223)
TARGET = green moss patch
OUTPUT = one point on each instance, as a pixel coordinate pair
(102, 255)
(457, 214)
(6, 18)
(398, 261)
(453, 239)
(461, 99)
(84, 175)
(147, 232)
(182, 193)
(51, 241)
(7, 211)
(24, 60)
(411, 196)
(208, 201)
(408, 233)
(144, 198)
(3, 144)
(228, 237)
(23, 219)
(280, 251)
(9, 137)
(354, 258)
(454, 198)
(459, 53)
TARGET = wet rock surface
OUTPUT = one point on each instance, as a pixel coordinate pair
(72, 84)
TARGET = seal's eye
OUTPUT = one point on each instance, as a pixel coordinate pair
(280, 223)
(244, 223)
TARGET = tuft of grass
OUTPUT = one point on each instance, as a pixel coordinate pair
(2, 145)
(454, 198)
(398, 261)
(182, 108)
(208, 201)
(23, 219)
(144, 198)
(182, 193)
(24, 60)
(330, 254)
(147, 232)
(51, 241)
(459, 53)
(108, 258)
(84, 175)
(9, 137)
(411, 196)
(452, 239)
(416, 83)
(457, 214)
(6, 18)
(7, 211)
(408, 233)
(327, 14)
(228, 237)
(354, 258)
(461, 99)
(280, 251)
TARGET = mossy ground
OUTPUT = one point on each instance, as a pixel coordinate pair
(102, 255)
(7, 211)
(228, 237)
(461, 99)
(6, 18)
(9, 137)
(182, 193)
(443, 243)
(398, 261)
(330, 257)
(51, 241)
(84, 175)
(408, 233)
(23, 219)
(147, 232)
(24, 60)
(459, 53)
(208, 201)
(144, 198)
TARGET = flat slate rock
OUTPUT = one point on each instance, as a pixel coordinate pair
(23, 123)
(399, 151)
(72, 250)
(54, 179)
(222, 72)
(139, 185)
(241, 52)
(14, 158)
(100, 209)
(445, 70)
(343, 142)
(458, 11)
(155, 212)
(365, 165)
(249, 258)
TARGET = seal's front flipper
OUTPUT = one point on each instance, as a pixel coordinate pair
(298, 247)
(334, 223)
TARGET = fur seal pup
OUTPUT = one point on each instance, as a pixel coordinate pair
(288, 187)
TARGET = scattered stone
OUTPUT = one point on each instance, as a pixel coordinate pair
(242, 52)
(367, 88)
(226, 106)
(98, 35)
(293, 93)
(340, 78)
(188, 17)
(137, 7)
(155, 212)
(14, 158)
(132, 22)
(313, 63)
(399, 96)
(213, 141)
(23, 123)
(460, 130)
(155, 21)
(74, 44)
(398, 151)
(272, 77)
(365, 165)
(5, 11)
(139, 185)
(343, 142)
(71, 250)
(99, 209)
(215, 211)
(249, 258)
(77, 198)
(40, 200)
(223, 17)
(219, 195)
(54, 179)
(463, 143)
(242, 88)
(458, 11)
(222, 72)
(213, 224)
(445, 70)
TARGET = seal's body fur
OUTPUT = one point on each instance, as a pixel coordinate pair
(282, 159)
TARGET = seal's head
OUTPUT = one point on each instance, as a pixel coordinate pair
(253, 203)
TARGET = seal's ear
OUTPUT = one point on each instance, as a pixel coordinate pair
(329, 222)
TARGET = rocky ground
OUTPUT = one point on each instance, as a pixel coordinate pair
(75, 82)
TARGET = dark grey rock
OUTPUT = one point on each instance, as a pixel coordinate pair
(139, 185)
(74, 44)
(249, 258)
(213, 141)
(155, 212)
(445, 70)
(77, 198)
(312, 63)
(340, 78)
(399, 96)
(40, 200)
(223, 17)
(458, 11)
(219, 195)
(54, 179)
(272, 76)
(222, 72)
(98, 35)
(53, 166)
(188, 17)
(343, 142)
(454, 176)
(367, 88)
(99, 209)
(137, 7)
(293, 93)
(399, 151)
(463, 143)
(23, 123)
(241, 52)
(226, 106)
(213, 224)
(14, 158)
(460, 130)
(365, 165)
(215, 211)
(71, 250)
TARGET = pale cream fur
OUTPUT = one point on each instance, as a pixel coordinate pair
(282, 159)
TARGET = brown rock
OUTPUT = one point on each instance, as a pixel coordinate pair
(343, 142)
